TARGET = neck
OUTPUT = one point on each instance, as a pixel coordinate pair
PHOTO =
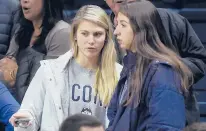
(37, 26)
(88, 63)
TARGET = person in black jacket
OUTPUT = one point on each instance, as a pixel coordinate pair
(8, 17)
(179, 36)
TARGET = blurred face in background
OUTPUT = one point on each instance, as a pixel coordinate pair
(114, 5)
(92, 128)
(32, 9)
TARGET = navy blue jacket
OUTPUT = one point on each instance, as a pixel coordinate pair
(182, 38)
(161, 107)
(8, 106)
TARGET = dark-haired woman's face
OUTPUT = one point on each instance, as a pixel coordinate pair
(32, 9)
(124, 32)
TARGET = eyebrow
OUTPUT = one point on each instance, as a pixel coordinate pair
(118, 1)
(84, 31)
(98, 31)
(124, 21)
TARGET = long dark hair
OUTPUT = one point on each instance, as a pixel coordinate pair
(146, 24)
(53, 12)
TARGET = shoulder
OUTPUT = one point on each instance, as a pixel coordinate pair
(60, 25)
(162, 73)
(163, 83)
(60, 62)
(60, 28)
(59, 35)
(170, 15)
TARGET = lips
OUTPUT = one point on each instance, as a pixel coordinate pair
(91, 49)
(26, 9)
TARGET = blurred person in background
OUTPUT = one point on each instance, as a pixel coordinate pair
(42, 35)
(81, 122)
(8, 16)
(8, 106)
(200, 126)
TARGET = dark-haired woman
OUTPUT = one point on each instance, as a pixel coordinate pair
(42, 35)
(150, 93)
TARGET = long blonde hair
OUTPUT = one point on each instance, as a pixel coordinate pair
(106, 75)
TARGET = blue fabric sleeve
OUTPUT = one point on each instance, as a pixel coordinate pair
(8, 106)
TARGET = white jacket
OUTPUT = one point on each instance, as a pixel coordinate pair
(44, 100)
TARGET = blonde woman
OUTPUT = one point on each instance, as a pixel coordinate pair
(80, 81)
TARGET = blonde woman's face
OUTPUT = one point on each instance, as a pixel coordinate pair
(124, 32)
(90, 39)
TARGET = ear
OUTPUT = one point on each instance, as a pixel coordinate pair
(106, 39)
(75, 37)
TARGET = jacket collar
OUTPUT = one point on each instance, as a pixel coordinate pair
(130, 60)
(62, 61)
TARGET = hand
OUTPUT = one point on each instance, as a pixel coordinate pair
(8, 70)
(10, 61)
(20, 115)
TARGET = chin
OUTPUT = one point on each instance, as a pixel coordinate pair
(91, 55)
(27, 17)
(123, 47)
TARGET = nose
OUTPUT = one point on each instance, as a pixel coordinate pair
(116, 31)
(25, 1)
(91, 40)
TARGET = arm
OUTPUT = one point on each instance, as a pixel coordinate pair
(33, 101)
(8, 106)
(192, 50)
(165, 103)
(59, 43)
